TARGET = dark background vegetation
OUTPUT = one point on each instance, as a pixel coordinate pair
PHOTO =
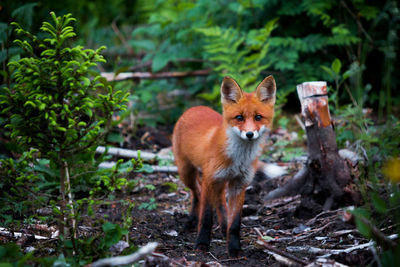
(351, 44)
(188, 35)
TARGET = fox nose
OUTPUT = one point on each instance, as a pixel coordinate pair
(249, 135)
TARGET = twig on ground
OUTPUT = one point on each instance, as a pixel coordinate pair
(212, 255)
(383, 240)
(322, 262)
(274, 250)
(329, 252)
(233, 259)
(283, 201)
(376, 257)
(7, 233)
(283, 260)
(125, 260)
(311, 233)
(330, 213)
(343, 232)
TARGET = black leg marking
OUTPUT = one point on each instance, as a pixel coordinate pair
(193, 219)
(206, 223)
(234, 237)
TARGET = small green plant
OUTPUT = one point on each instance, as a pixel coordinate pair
(21, 187)
(379, 217)
(172, 187)
(151, 205)
(112, 234)
(11, 255)
(58, 105)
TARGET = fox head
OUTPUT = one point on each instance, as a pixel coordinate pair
(248, 115)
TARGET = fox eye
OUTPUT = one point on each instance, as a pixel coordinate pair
(258, 117)
(239, 118)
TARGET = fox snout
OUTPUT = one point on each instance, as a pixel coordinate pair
(249, 134)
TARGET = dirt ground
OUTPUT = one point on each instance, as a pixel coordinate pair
(293, 226)
(290, 231)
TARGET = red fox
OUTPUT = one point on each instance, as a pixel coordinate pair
(217, 156)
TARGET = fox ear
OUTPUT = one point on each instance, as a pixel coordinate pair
(230, 91)
(266, 90)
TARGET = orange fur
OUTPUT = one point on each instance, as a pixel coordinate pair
(217, 154)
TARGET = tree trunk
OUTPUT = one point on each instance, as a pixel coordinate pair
(67, 224)
(62, 222)
(326, 174)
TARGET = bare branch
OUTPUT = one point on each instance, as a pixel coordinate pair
(282, 254)
(125, 260)
(173, 169)
(128, 153)
(110, 76)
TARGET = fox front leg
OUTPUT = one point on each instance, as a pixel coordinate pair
(235, 206)
(211, 192)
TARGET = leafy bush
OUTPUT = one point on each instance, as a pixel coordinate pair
(58, 105)
(378, 146)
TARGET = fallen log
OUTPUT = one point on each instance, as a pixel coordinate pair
(155, 168)
(110, 76)
(128, 153)
(270, 170)
(325, 173)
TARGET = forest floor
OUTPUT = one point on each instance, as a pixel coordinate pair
(294, 226)
(292, 231)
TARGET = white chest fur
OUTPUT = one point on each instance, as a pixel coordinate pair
(242, 153)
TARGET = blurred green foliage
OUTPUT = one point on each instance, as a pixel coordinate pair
(245, 39)
(352, 44)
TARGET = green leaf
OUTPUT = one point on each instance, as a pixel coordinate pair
(85, 80)
(146, 45)
(115, 138)
(379, 203)
(30, 103)
(363, 228)
(145, 168)
(42, 106)
(336, 66)
(108, 226)
(329, 71)
(24, 14)
(361, 218)
(89, 112)
(159, 61)
(347, 74)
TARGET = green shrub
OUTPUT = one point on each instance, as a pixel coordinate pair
(58, 104)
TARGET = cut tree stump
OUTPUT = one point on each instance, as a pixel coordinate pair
(325, 174)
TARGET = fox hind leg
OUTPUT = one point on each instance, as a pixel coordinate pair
(222, 213)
